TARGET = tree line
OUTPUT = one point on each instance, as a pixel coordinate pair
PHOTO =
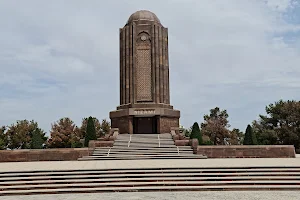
(279, 126)
(64, 133)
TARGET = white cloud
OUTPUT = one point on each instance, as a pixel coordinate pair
(61, 58)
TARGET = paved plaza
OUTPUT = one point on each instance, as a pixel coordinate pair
(225, 195)
(140, 164)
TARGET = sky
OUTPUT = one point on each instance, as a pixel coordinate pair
(61, 58)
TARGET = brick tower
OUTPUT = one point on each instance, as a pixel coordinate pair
(144, 78)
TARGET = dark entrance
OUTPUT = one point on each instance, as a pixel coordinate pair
(144, 125)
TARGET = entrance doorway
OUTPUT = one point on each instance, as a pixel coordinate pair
(144, 125)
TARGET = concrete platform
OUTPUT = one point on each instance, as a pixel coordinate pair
(140, 164)
(204, 195)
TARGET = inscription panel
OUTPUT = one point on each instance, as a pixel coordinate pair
(143, 69)
(144, 112)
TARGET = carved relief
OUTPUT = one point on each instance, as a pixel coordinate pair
(143, 68)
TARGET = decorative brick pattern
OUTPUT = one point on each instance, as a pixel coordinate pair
(143, 72)
(122, 123)
(165, 124)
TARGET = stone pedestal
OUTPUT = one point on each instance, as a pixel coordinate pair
(164, 117)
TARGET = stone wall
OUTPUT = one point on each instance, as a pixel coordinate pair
(96, 143)
(248, 151)
(28, 155)
(166, 123)
(122, 123)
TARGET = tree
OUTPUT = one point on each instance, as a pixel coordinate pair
(250, 138)
(216, 125)
(236, 137)
(19, 135)
(84, 125)
(196, 133)
(37, 140)
(3, 138)
(187, 131)
(264, 135)
(90, 131)
(281, 125)
(105, 127)
(64, 134)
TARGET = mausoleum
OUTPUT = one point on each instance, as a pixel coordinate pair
(144, 78)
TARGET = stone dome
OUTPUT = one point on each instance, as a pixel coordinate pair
(143, 15)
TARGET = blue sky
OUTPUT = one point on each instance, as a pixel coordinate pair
(60, 58)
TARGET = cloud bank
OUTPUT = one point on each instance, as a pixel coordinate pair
(60, 58)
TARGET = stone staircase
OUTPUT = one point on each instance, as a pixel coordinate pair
(149, 179)
(143, 146)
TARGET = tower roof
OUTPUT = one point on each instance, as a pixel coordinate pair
(143, 15)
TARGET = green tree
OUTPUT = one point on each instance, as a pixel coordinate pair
(37, 140)
(236, 137)
(264, 135)
(216, 125)
(3, 138)
(97, 124)
(90, 131)
(64, 134)
(196, 133)
(105, 127)
(280, 125)
(19, 135)
(250, 138)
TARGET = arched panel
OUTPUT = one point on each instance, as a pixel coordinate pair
(143, 68)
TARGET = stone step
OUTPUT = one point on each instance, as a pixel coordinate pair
(150, 135)
(152, 188)
(152, 175)
(150, 183)
(139, 155)
(143, 153)
(155, 179)
(144, 148)
(145, 142)
(156, 155)
(158, 187)
(143, 145)
(140, 158)
(143, 171)
(103, 180)
(144, 137)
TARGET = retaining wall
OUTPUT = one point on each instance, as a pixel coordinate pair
(27, 155)
(248, 151)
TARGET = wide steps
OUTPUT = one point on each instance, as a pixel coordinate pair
(140, 153)
(149, 183)
(143, 146)
(151, 189)
(139, 158)
(104, 180)
(151, 179)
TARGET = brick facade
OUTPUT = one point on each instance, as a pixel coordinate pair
(166, 123)
(123, 123)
